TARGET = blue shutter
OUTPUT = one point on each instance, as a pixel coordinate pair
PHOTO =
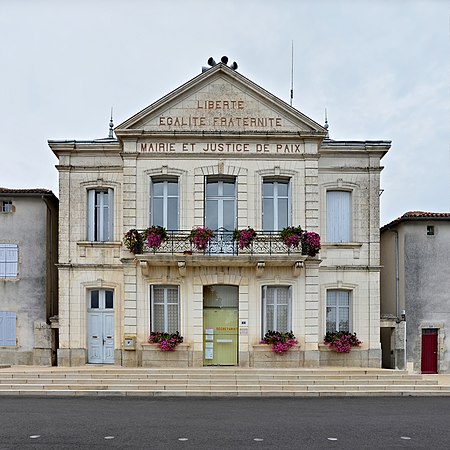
(91, 215)
(339, 216)
(9, 258)
(8, 329)
(110, 217)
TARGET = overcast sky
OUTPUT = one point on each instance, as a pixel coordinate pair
(381, 68)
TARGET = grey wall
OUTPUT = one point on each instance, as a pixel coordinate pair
(427, 286)
(28, 296)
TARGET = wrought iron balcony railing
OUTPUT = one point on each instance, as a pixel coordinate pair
(222, 244)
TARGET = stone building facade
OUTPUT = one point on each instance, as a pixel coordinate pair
(28, 276)
(219, 152)
(415, 287)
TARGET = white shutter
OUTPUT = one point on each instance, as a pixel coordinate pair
(8, 329)
(339, 216)
(9, 257)
(110, 217)
(2, 261)
(91, 215)
(11, 261)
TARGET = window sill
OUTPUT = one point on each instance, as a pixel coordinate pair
(154, 347)
(325, 348)
(355, 246)
(109, 244)
(342, 245)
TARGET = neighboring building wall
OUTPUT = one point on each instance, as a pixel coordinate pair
(424, 285)
(32, 294)
(289, 147)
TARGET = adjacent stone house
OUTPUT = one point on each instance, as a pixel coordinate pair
(223, 153)
(28, 276)
(415, 292)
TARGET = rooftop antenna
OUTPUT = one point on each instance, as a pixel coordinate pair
(111, 125)
(292, 73)
(326, 124)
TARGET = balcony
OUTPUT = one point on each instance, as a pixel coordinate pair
(266, 250)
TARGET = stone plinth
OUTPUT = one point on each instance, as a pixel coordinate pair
(263, 356)
(152, 356)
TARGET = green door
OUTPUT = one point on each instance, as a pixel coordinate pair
(220, 326)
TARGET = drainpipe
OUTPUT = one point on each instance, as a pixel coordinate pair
(401, 316)
(397, 277)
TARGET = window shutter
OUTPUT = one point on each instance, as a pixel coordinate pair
(91, 215)
(11, 261)
(339, 216)
(2, 261)
(8, 329)
(110, 217)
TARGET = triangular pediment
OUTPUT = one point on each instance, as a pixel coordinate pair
(220, 100)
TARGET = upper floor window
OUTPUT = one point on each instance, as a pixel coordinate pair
(339, 216)
(100, 215)
(164, 202)
(276, 312)
(9, 260)
(338, 311)
(7, 206)
(220, 203)
(276, 206)
(164, 311)
(7, 329)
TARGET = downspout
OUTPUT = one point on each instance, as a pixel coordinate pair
(397, 277)
(400, 317)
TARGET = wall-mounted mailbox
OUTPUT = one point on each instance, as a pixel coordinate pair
(129, 342)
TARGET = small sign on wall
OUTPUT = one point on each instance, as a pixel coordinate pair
(209, 350)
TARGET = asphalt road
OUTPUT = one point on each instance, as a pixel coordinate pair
(225, 423)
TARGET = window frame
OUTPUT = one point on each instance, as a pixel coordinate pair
(264, 325)
(338, 308)
(7, 206)
(96, 219)
(165, 304)
(221, 198)
(343, 233)
(6, 274)
(165, 180)
(101, 299)
(275, 226)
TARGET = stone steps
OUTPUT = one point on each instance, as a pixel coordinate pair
(102, 381)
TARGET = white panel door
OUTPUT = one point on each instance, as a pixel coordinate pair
(108, 337)
(95, 338)
(101, 326)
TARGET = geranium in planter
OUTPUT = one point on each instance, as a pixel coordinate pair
(155, 236)
(200, 237)
(165, 341)
(244, 237)
(341, 341)
(310, 243)
(280, 342)
(291, 236)
(134, 241)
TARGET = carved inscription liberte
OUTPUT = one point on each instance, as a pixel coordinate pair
(208, 113)
(204, 118)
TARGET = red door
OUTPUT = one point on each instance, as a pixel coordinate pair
(429, 350)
